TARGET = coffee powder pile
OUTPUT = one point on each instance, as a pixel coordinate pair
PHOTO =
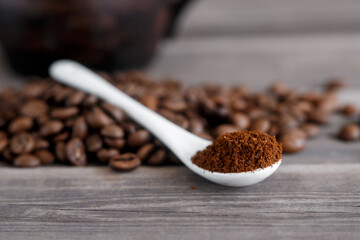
(240, 151)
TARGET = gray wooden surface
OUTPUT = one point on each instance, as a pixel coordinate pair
(314, 195)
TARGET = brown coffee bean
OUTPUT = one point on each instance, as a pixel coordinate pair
(260, 125)
(51, 127)
(175, 106)
(79, 128)
(104, 155)
(96, 118)
(22, 142)
(124, 162)
(279, 88)
(45, 156)
(34, 108)
(3, 141)
(117, 143)
(145, 151)
(75, 152)
(225, 128)
(62, 137)
(114, 112)
(318, 116)
(41, 144)
(240, 120)
(62, 93)
(63, 113)
(196, 126)
(20, 124)
(348, 110)
(35, 89)
(93, 143)
(349, 132)
(138, 138)
(112, 131)
(273, 130)
(90, 101)
(151, 101)
(157, 159)
(8, 156)
(26, 160)
(75, 98)
(42, 119)
(293, 141)
(239, 104)
(335, 84)
(311, 130)
(129, 127)
(60, 151)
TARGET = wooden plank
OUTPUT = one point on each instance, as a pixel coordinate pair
(300, 200)
(305, 60)
(234, 17)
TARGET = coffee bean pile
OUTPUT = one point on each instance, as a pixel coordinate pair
(46, 122)
(350, 131)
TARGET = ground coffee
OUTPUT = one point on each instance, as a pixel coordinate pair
(240, 151)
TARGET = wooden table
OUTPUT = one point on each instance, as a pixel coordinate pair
(314, 195)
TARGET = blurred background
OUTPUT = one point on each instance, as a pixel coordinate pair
(195, 41)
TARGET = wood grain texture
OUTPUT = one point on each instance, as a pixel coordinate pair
(306, 60)
(245, 17)
(312, 200)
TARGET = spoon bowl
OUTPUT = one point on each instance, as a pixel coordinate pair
(181, 142)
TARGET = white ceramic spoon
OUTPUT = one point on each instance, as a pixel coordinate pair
(181, 142)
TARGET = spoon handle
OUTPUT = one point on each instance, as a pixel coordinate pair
(76, 75)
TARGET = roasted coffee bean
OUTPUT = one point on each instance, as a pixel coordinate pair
(240, 120)
(117, 143)
(26, 160)
(175, 106)
(75, 152)
(42, 119)
(60, 151)
(45, 156)
(158, 158)
(3, 141)
(8, 156)
(145, 151)
(51, 127)
(96, 118)
(62, 93)
(348, 110)
(279, 88)
(138, 138)
(124, 162)
(75, 98)
(150, 101)
(34, 108)
(104, 155)
(90, 101)
(335, 84)
(311, 130)
(224, 128)
(22, 142)
(260, 125)
(239, 104)
(273, 130)
(93, 143)
(293, 141)
(196, 126)
(63, 113)
(318, 116)
(20, 124)
(41, 144)
(61, 137)
(349, 132)
(114, 112)
(112, 131)
(129, 127)
(79, 128)
(287, 122)
(34, 89)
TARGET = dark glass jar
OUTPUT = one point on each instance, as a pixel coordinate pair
(102, 34)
